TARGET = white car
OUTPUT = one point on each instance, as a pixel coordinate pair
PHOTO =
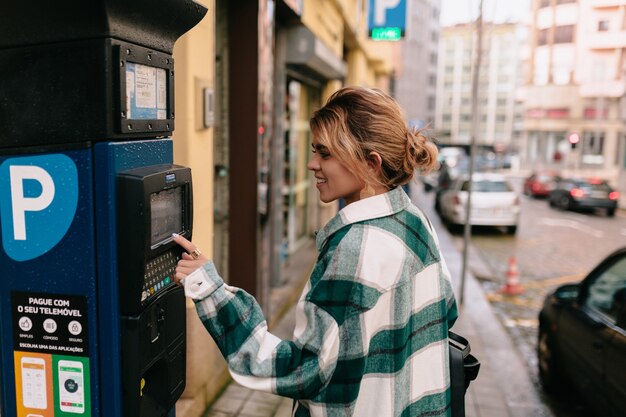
(494, 202)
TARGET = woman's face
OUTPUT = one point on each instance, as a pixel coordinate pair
(334, 180)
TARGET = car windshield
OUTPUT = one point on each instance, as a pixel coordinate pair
(595, 187)
(487, 186)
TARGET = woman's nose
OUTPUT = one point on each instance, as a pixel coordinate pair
(313, 164)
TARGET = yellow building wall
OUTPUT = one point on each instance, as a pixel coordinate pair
(323, 18)
(194, 64)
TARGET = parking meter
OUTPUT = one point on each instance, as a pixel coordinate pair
(153, 203)
(91, 322)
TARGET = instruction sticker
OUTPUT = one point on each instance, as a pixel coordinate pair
(146, 92)
(50, 323)
(51, 357)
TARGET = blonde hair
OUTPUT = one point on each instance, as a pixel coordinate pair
(356, 121)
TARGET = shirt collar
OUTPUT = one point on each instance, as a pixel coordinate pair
(377, 206)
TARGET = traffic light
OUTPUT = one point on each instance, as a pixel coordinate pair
(573, 139)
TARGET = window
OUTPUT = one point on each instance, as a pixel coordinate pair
(545, 3)
(433, 58)
(607, 294)
(542, 37)
(487, 186)
(565, 1)
(603, 26)
(432, 80)
(595, 113)
(593, 148)
(431, 103)
(564, 34)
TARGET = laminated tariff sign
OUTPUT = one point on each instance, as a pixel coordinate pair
(50, 351)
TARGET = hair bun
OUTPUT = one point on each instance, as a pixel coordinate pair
(421, 152)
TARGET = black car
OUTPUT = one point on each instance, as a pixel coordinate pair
(582, 337)
(584, 194)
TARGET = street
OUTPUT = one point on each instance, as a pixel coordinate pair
(551, 248)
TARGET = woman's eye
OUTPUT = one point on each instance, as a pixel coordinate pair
(323, 154)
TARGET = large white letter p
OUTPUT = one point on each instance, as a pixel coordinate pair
(20, 203)
(381, 8)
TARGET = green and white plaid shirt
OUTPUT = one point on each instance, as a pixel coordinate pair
(371, 326)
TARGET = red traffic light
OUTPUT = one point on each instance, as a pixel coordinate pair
(573, 138)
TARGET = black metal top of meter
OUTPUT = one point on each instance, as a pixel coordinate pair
(71, 69)
(154, 24)
(153, 203)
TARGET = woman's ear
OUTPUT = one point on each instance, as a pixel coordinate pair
(374, 161)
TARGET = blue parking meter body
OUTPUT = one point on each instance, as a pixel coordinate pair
(91, 322)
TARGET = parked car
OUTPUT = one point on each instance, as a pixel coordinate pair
(584, 194)
(582, 337)
(540, 183)
(494, 202)
(449, 171)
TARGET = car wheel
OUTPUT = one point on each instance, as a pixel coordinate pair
(511, 229)
(564, 203)
(548, 372)
(610, 212)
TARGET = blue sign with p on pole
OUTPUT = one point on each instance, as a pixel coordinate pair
(387, 19)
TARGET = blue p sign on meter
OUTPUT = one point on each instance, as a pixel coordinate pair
(387, 19)
(38, 199)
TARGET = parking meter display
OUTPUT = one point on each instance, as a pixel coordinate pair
(71, 386)
(166, 214)
(34, 383)
(153, 203)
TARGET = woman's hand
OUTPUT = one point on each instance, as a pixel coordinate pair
(190, 261)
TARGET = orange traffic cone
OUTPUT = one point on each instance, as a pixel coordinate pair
(512, 286)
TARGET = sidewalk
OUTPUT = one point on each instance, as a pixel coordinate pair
(503, 388)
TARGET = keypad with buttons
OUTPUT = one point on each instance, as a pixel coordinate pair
(158, 274)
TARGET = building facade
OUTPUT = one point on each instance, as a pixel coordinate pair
(576, 87)
(415, 63)
(499, 80)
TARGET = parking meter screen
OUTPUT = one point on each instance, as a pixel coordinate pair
(166, 214)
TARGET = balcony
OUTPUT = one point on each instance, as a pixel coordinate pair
(615, 88)
(551, 96)
(606, 3)
(605, 40)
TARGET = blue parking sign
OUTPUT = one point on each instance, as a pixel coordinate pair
(38, 200)
(386, 16)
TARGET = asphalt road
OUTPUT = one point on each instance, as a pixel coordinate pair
(551, 248)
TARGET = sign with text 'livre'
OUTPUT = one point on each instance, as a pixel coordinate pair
(387, 19)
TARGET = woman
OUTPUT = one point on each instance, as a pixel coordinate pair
(372, 321)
